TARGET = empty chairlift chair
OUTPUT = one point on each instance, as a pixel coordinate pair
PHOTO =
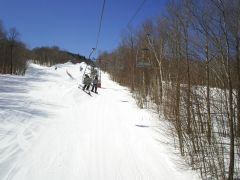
(143, 58)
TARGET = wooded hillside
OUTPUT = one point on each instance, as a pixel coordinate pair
(187, 63)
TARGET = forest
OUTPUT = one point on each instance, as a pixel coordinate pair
(185, 65)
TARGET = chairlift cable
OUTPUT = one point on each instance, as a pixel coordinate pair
(98, 36)
(100, 24)
(136, 12)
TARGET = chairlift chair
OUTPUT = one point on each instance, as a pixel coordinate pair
(92, 72)
(143, 59)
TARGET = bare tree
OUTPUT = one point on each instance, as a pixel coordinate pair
(2, 31)
(12, 36)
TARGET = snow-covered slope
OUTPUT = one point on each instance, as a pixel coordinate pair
(51, 130)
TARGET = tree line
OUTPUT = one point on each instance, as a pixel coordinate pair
(14, 54)
(187, 64)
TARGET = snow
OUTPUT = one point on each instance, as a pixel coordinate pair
(51, 130)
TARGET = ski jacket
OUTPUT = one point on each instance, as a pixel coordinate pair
(95, 81)
(87, 80)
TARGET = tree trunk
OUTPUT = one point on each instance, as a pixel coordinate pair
(209, 123)
(11, 59)
(159, 61)
(231, 124)
(189, 130)
(177, 112)
(238, 86)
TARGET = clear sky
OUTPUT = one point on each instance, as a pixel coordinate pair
(73, 24)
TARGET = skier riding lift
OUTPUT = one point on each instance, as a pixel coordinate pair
(95, 83)
(86, 81)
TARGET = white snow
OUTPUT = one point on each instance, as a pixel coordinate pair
(51, 130)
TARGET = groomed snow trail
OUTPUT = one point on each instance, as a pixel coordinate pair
(58, 132)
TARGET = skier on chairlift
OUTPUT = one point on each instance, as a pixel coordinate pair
(95, 84)
(86, 81)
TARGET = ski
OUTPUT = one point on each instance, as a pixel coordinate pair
(86, 91)
(94, 92)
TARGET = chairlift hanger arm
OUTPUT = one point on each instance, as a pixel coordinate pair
(93, 49)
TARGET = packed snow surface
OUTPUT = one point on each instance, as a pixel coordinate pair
(52, 130)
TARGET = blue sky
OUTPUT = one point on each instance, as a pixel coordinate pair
(73, 24)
